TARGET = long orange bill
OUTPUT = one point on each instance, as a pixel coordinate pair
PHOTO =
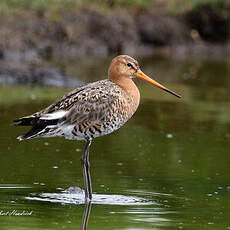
(144, 77)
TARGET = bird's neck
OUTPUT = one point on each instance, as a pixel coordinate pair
(129, 88)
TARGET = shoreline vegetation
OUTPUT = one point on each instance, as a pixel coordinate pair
(76, 28)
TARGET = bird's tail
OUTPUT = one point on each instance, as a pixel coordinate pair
(26, 121)
(32, 133)
(38, 126)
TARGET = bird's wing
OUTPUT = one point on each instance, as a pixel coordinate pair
(92, 102)
(96, 105)
(92, 107)
(52, 109)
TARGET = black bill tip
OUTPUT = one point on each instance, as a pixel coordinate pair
(173, 93)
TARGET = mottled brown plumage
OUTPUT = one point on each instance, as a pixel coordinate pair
(92, 110)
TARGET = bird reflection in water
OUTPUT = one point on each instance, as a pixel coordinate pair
(76, 191)
(86, 215)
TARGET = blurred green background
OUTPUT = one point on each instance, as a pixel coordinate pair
(59, 5)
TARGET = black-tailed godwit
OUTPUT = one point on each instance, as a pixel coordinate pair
(90, 111)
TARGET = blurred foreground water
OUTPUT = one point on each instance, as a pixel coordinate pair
(167, 168)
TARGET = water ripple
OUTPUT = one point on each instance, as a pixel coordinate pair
(78, 198)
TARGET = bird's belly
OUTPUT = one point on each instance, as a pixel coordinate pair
(76, 132)
(90, 132)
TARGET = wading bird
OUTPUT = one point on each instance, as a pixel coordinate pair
(92, 110)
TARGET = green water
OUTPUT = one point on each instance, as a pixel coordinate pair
(167, 168)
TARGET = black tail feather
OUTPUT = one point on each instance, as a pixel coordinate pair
(37, 126)
(25, 121)
(32, 132)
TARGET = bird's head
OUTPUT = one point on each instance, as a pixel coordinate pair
(125, 67)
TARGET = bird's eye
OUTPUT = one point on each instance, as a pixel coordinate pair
(129, 64)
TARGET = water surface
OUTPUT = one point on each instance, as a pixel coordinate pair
(167, 168)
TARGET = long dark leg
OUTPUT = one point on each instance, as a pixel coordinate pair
(86, 174)
(86, 215)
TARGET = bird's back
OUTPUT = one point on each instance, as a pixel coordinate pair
(89, 111)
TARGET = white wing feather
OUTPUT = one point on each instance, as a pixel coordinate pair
(53, 116)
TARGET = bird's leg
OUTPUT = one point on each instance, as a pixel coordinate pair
(86, 174)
